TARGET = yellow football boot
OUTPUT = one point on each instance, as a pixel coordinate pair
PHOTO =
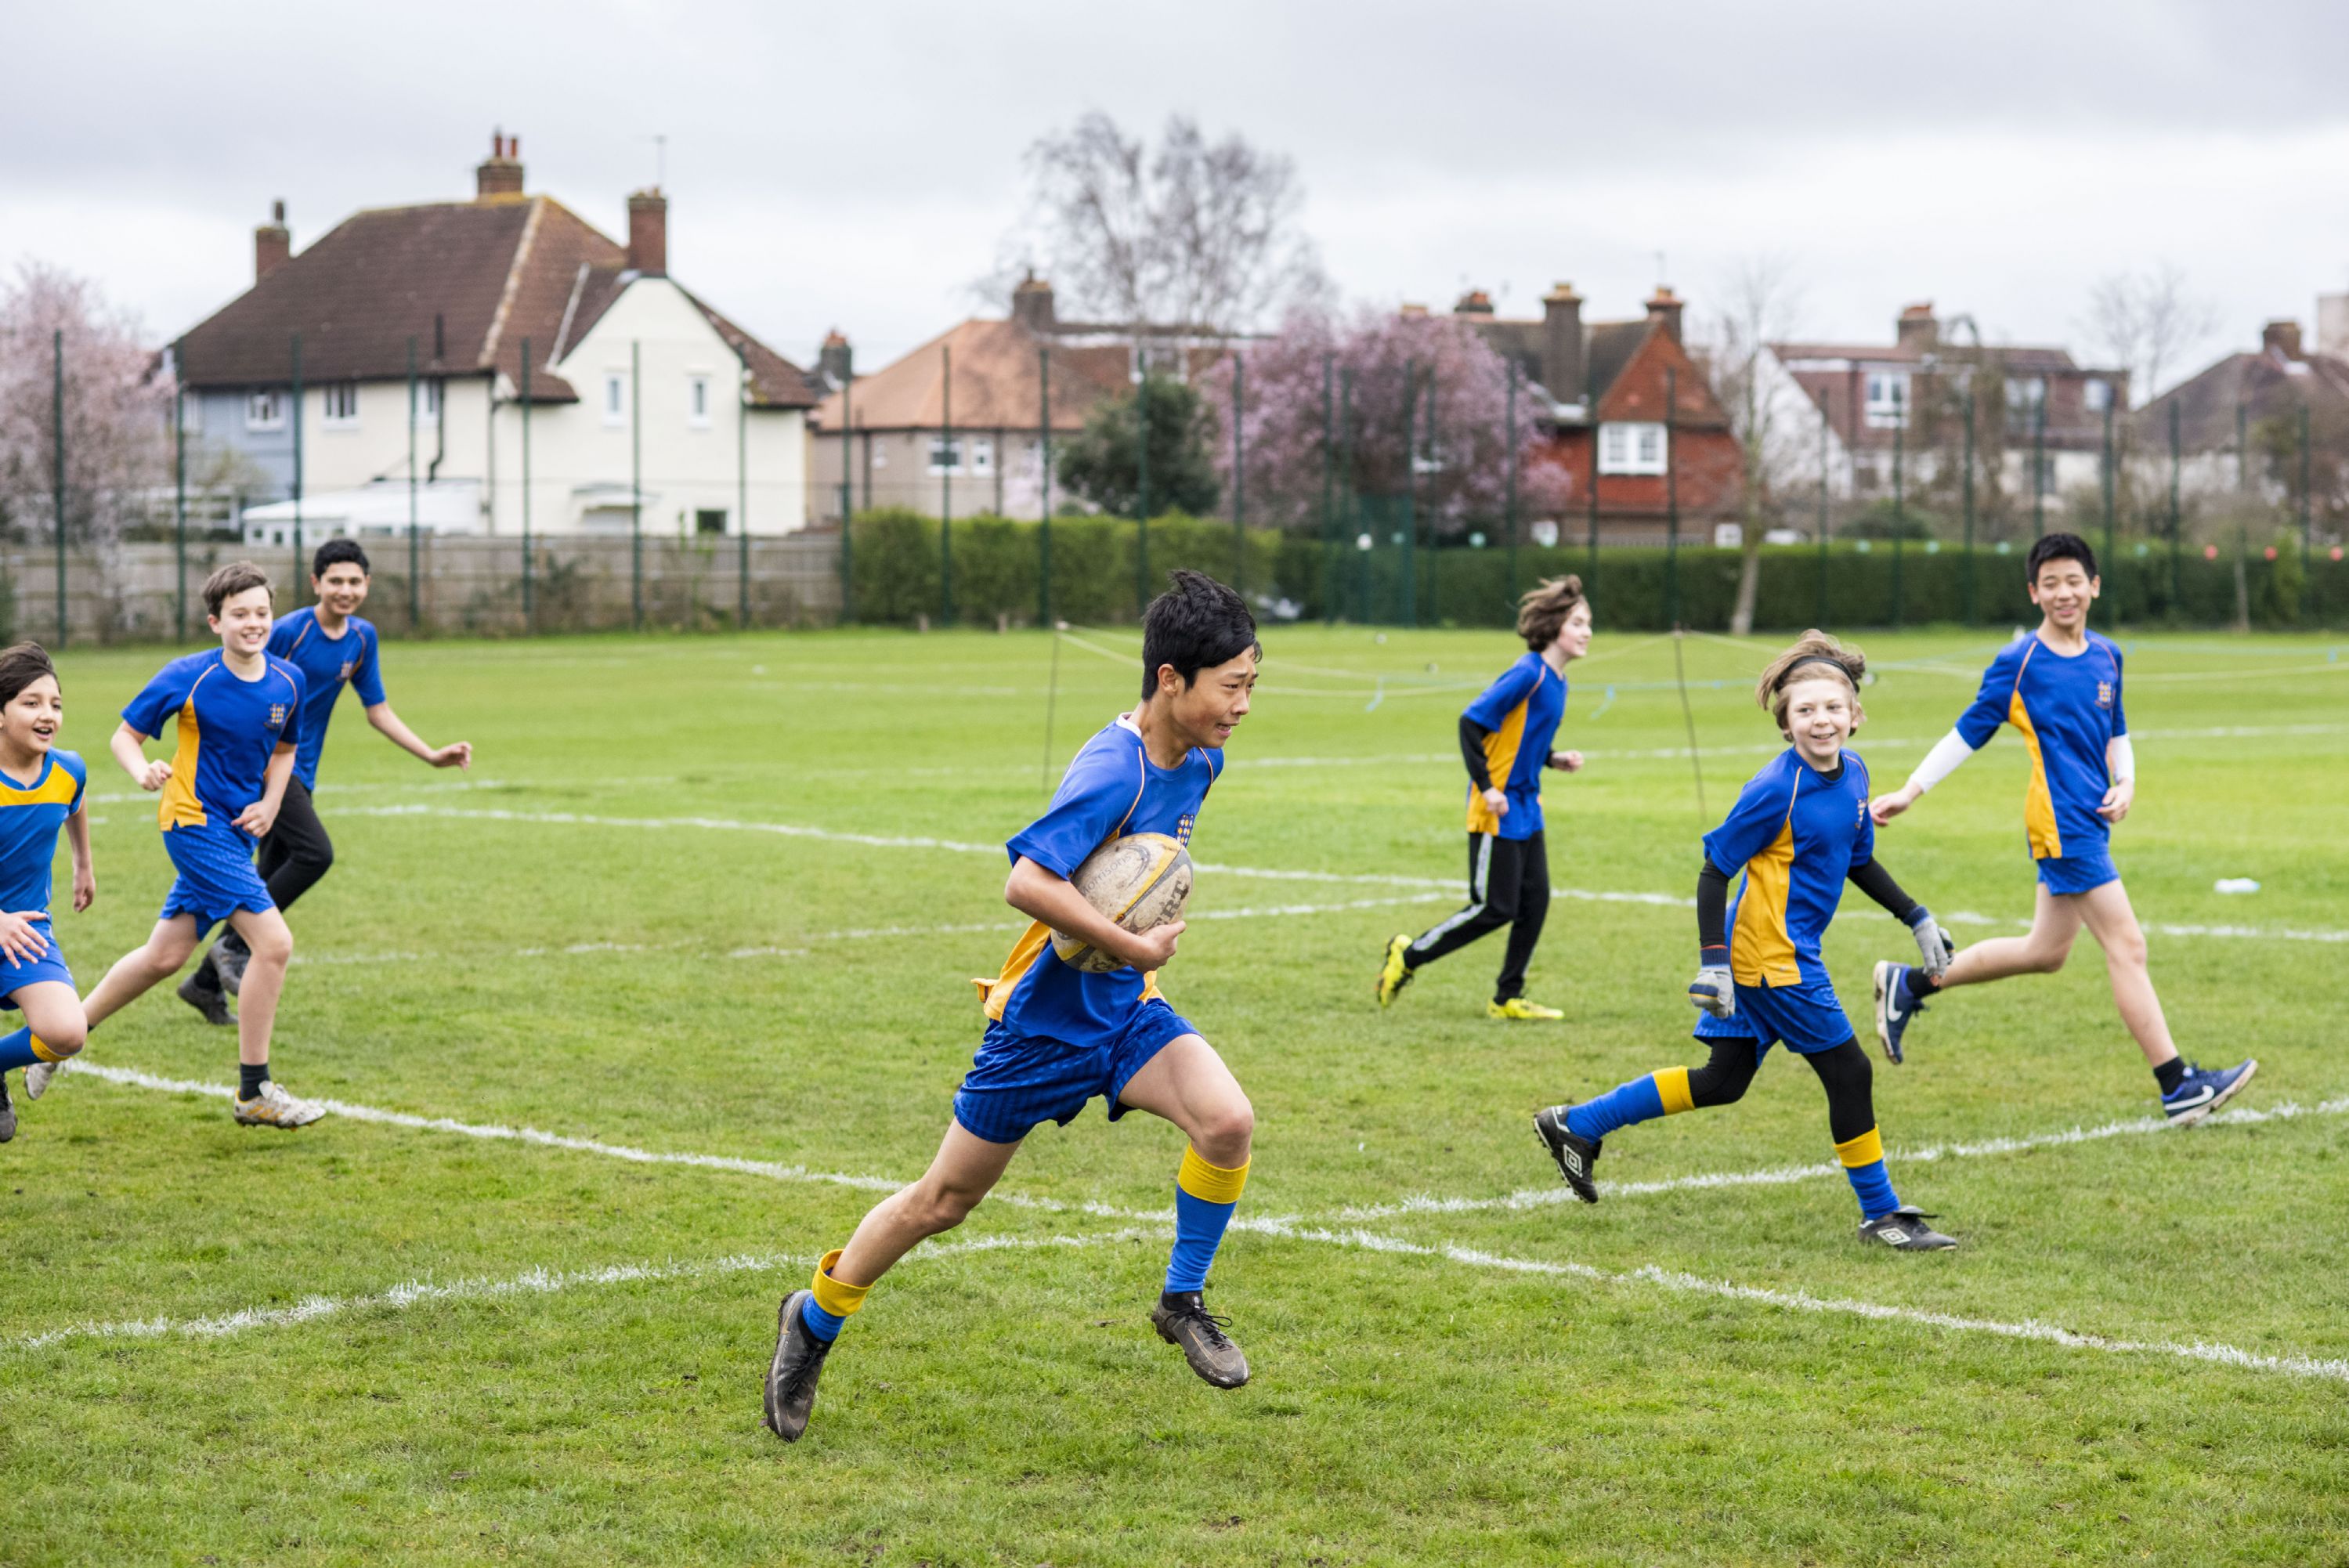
(1394, 974)
(1519, 1008)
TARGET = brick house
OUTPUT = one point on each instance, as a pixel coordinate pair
(630, 372)
(1599, 391)
(2221, 410)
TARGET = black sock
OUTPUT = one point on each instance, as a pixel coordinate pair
(1177, 1300)
(2170, 1074)
(1919, 985)
(250, 1079)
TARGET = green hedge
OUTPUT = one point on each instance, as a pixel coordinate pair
(897, 576)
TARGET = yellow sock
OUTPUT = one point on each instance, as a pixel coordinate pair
(835, 1296)
(1673, 1089)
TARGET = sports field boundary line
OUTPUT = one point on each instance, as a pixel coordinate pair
(1527, 1198)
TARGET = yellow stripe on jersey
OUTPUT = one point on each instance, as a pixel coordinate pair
(56, 790)
(2038, 801)
(179, 807)
(1762, 949)
(995, 994)
(1500, 761)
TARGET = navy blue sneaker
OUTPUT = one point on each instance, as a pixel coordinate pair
(2202, 1092)
(1575, 1155)
(1893, 1010)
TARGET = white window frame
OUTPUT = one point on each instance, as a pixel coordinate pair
(191, 412)
(265, 408)
(697, 400)
(2026, 394)
(616, 399)
(978, 455)
(338, 406)
(946, 459)
(1638, 447)
(428, 402)
(2096, 393)
(1887, 400)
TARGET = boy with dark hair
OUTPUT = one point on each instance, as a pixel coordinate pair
(1799, 830)
(1504, 741)
(2061, 688)
(42, 790)
(332, 645)
(238, 713)
(1057, 1037)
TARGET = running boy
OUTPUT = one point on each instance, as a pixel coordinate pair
(239, 717)
(2061, 688)
(1800, 829)
(40, 791)
(1057, 1037)
(333, 646)
(1504, 739)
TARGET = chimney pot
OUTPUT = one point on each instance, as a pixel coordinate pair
(648, 233)
(1917, 328)
(1476, 302)
(1664, 308)
(1032, 308)
(499, 174)
(272, 242)
(1561, 354)
(2281, 337)
(835, 359)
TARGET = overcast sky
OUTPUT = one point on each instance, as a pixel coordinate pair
(858, 165)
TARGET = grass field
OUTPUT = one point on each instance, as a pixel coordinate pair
(702, 918)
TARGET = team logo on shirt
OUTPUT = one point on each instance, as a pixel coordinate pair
(277, 715)
(2104, 694)
(1182, 830)
(345, 673)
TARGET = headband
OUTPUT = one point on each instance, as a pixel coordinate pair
(1836, 664)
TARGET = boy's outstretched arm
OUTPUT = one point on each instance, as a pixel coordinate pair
(1039, 894)
(457, 754)
(1933, 944)
(1947, 753)
(128, 746)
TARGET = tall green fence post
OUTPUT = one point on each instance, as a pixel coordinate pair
(742, 492)
(180, 491)
(1328, 470)
(298, 574)
(1348, 497)
(1044, 472)
(1671, 496)
(1141, 400)
(1900, 508)
(1590, 577)
(415, 592)
(1410, 492)
(946, 456)
(57, 455)
(1823, 514)
(2173, 506)
(2307, 516)
(2111, 495)
(2039, 464)
(635, 486)
(528, 606)
(1239, 480)
(1973, 604)
(1509, 498)
(847, 463)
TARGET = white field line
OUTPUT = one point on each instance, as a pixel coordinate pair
(533, 1281)
(1776, 1176)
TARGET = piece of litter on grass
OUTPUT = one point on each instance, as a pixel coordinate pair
(2234, 884)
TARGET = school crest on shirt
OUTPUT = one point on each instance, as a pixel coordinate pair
(277, 715)
(345, 673)
(2105, 694)
(1183, 830)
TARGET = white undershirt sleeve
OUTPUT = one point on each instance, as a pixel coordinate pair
(1941, 761)
(2120, 759)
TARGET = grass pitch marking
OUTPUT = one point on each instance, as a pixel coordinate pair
(533, 1282)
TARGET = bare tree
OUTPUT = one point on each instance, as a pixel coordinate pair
(1194, 234)
(1774, 422)
(2147, 322)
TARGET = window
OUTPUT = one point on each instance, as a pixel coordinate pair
(192, 413)
(981, 454)
(1631, 448)
(616, 397)
(264, 409)
(2097, 395)
(696, 405)
(710, 521)
(339, 405)
(2026, 394)
(1887, 400)
(945, 456)
(427, 403)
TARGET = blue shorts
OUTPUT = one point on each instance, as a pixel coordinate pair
(1807, 1018)
(1018, 1082)
(49, 966)
(2077, 873)
(216, 874)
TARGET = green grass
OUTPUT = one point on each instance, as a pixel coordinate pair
(1414, 1401)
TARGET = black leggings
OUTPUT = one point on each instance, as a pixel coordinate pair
(1844, 1072)
(294, 855)
(1508, 884)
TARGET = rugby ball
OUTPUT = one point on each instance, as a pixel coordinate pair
(1141, 882)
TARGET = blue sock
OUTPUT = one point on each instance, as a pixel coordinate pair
(1863, 1163)
(1205, 1197)
(1639, 1100)
(16, 1050)
(820, 1323)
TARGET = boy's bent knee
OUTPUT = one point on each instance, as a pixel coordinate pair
(1222, 1135)
(65, 1040)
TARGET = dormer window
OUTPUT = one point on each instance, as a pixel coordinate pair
(1887, 400)
(1632, 449)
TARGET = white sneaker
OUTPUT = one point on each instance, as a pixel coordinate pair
(37, 1077)
(273, 1107)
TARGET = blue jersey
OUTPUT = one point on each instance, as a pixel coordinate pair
(30, 816)
(326, 663)
(1521, 710)
(2068, 710)
(1798, 834)
(1111, 790)
(228, 730)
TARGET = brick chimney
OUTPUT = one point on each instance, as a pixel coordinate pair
(2281, 337)
(1664, 308)
(648, 233)
(1561, 354)
(1917, 328)
(272, 242)
(1476, 302)
(835, 359)
(498, 174)
(1031, 306)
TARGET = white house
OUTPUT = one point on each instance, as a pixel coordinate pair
(453, 347)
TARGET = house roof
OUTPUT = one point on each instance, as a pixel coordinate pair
(2264, 384)
(492, 271)
(1607, 347)
(997, 382)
